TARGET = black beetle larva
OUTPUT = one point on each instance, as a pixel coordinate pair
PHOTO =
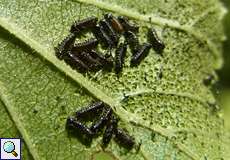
(102, 36)
(132, 41)
(98, 125)
(157, 44)
(124, 138)
(75, 62)
(92, 108)
(86, 45)
(120, 57)
(114, 23)
(65, 45)
(87, 23)
(72, 123)
(142, 52)
(99, 35)
(106, 60)
(110, 31)
(90, 61)
(126, 25)
(110, 130)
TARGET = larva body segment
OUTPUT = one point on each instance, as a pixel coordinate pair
(120, 57)
(141, 53)
(65, 46)
(86, 45)
(157, 44)
(84, 24)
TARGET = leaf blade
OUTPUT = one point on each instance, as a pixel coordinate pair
(122, 114)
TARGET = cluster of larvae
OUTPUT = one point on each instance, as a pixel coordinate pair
(106, 119)
(84, 56)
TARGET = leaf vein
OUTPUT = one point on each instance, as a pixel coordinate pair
(201, 16)
(170, 93)
(4, 95)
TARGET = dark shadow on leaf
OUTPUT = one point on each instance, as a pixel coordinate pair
(224, 72)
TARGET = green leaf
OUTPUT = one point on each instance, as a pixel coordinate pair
(9, 130)
(173, 117)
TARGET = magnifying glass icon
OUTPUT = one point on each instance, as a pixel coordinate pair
(9, 147)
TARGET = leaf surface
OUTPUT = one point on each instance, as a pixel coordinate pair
(173, 117)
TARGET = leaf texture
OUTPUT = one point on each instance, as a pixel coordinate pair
(173, 117)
